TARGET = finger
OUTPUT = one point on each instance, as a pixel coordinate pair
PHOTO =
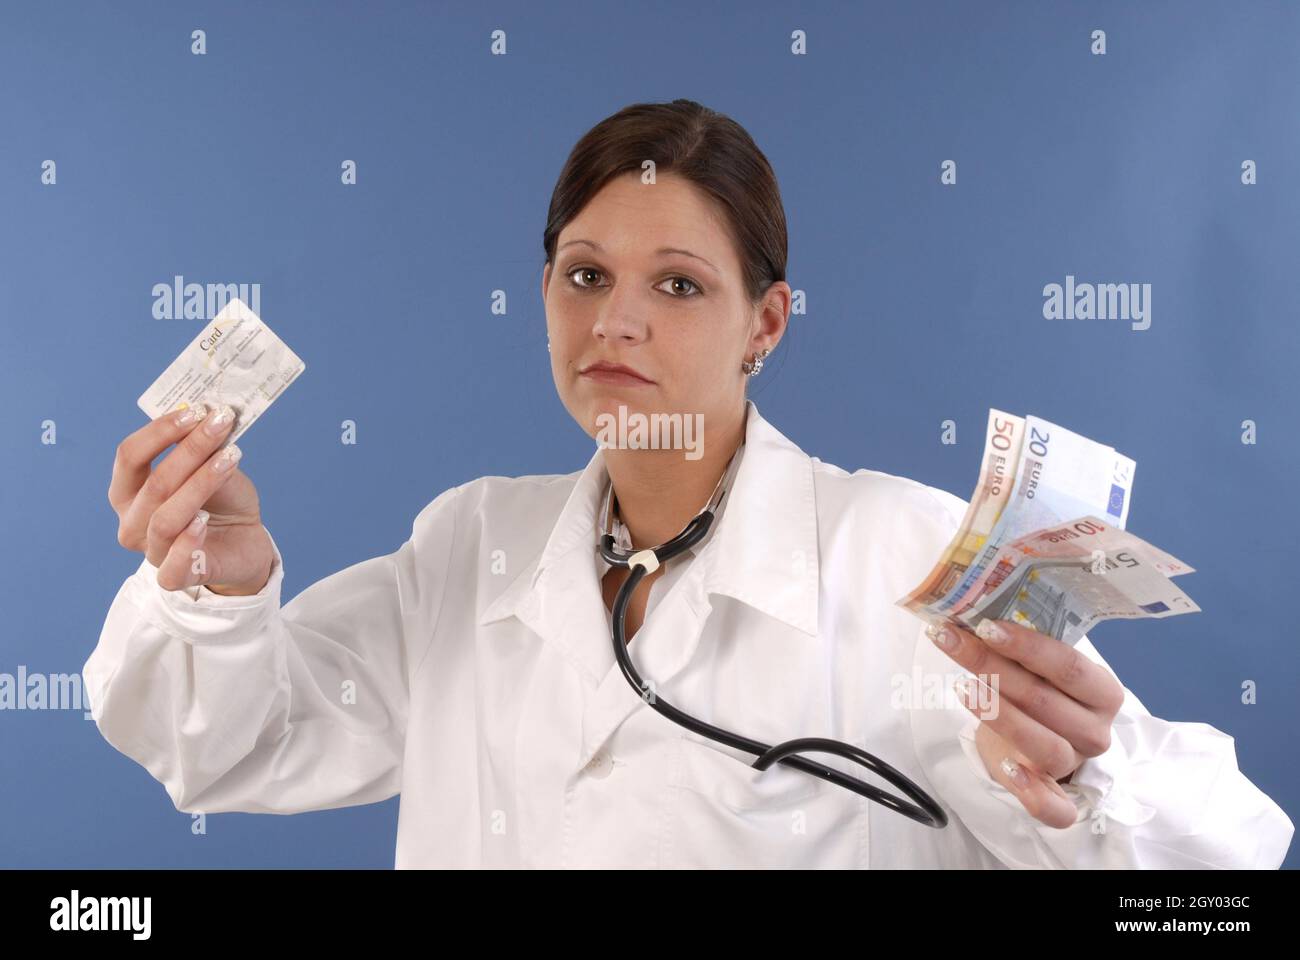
(135, 453)
(993, 749)
(178, 568)
(1042, 798)
(1036, 794)
(1046, 749)
(1060, 663)
(167, 522)
(1051, 707)
(173, 470)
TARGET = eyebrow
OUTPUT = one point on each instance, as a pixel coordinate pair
(660, 252)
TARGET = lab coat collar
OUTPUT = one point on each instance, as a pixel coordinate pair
(762, 551)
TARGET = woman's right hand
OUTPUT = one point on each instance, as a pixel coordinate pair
(195, 499)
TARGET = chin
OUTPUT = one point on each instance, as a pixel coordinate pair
(607, 405)
(604, 398)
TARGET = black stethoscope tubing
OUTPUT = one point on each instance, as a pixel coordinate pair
(642, 562)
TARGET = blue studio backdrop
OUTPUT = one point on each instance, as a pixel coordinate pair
(940, 163)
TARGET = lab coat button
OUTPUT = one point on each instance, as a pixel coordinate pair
(600, 765)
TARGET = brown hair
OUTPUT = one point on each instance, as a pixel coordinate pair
(700, 145)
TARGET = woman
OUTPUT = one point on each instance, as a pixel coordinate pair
(472, 670)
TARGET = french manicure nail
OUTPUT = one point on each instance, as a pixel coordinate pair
(962, 686)
(198, 523)
(1012, 770)
(991, 632)
(222, 419)
(192, 414)
(941, 635)
(227, 458)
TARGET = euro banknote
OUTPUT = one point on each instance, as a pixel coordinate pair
(1002, 439)
(1061, 581)
(1060, 475)
(1045, 544)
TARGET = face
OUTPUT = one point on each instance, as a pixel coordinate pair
(681, 320)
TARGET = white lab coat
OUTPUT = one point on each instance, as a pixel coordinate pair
(471, 672)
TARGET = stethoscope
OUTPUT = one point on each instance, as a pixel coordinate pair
(643, 562)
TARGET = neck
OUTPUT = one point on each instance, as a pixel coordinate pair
(660, 491)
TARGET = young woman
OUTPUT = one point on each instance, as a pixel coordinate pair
(472, 670)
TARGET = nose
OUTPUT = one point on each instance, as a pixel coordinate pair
(619, 319)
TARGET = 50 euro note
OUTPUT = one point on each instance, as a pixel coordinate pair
(1063, 580)
(1002, 439)
(1060, 475)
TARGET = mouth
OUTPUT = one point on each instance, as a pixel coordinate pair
(614, 373)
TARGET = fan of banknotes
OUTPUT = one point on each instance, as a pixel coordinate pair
(1043, 541)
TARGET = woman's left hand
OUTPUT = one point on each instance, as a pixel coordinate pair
(1047, 710)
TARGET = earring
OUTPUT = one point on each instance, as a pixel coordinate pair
(548, 344)
(755, 367)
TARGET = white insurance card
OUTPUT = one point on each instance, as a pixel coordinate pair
(236, 359)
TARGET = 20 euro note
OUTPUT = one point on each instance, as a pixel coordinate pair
(236, 359)
(1063, 580)
(1060, 475)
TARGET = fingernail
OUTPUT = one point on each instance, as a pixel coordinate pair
(223, 418)
(1012, 770)
(962, 686)
(942, 636)
(990, 632)
(198, 523)
(192, 414)
(227, 458)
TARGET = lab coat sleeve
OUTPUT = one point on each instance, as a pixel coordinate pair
(1164, 795)
(237, 704)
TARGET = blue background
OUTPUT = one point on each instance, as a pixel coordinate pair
(925, 301)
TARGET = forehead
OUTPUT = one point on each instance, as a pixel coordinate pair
(628, 216)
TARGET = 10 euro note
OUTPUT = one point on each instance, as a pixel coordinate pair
(237, 360)
(1062, 580)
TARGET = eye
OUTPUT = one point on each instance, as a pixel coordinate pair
(695, 287)
(581, 286)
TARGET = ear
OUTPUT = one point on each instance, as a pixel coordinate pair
(546, 279)
(773, 317)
